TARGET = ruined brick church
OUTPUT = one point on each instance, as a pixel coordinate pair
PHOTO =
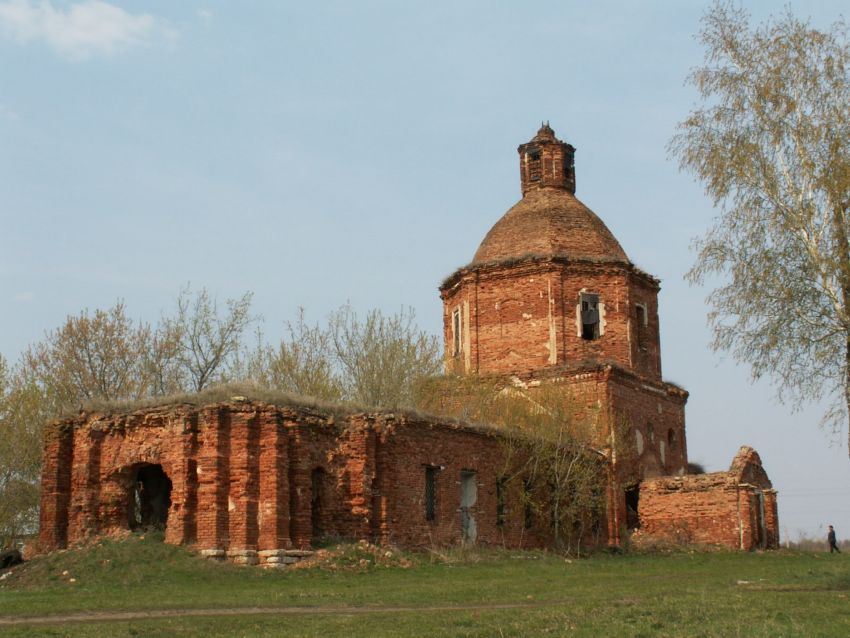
(549, 299)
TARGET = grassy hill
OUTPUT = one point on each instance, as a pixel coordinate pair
(359, 590)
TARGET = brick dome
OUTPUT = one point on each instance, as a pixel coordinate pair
(550, 222)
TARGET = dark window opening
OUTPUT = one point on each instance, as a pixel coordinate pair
(641, 326)
(501, 491)
(632, 502)
(589, 316)
(671, 439)
(150, 498)
(431, 493)
(532, 159)
(528, 519)
(317, 498)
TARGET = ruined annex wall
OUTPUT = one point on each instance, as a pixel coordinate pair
(716, 508)
(251, 480)
(406, 448)
(88, 466)
(691, 509)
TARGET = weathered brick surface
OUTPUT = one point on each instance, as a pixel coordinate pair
(243, 476)
(735, 508)
(251, 479)
(513, 312)
(523, 316)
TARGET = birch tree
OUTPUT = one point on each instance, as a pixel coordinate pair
(770, 142)
(207, 339)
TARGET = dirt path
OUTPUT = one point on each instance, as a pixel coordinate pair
(152, 614)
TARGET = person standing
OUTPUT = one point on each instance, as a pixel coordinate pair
(833, 546)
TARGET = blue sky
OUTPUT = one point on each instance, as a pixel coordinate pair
(315, 153)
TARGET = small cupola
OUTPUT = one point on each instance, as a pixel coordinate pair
(547, 162)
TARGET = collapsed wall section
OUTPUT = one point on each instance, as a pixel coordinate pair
(736, 508)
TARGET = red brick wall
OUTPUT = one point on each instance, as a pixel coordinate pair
(406, 450)
(655, 414)
(243, 473)
(718, 507)
(522, 317)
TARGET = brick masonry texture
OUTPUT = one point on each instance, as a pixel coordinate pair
(521, 316)
(736, 508)
(252, 481)
(514, 313)
(250, 477)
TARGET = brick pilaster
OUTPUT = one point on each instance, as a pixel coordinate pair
(55, 488)
(213, 478)
(273, 512)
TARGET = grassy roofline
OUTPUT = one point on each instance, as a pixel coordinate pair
(225, 393)
(222, 393)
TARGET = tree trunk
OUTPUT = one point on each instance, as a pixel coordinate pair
(839, 224)
(847, 390)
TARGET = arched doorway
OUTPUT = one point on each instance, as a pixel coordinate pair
(150, 498)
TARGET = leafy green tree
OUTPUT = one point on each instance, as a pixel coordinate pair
(770, 144)
(22, 414)
(379, 358)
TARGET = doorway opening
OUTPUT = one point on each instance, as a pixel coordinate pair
(761, 540)
(632, 502)
(468, 498)
(150, 498)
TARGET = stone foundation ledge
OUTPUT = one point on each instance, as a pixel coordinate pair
(281, 557)
(214, 554)
(243, 556)
(266, 557)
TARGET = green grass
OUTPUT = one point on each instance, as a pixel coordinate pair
(676, 594)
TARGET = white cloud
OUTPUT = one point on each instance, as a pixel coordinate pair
(82, 30)
(24, 297)
(8, 114)
(206, 16)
